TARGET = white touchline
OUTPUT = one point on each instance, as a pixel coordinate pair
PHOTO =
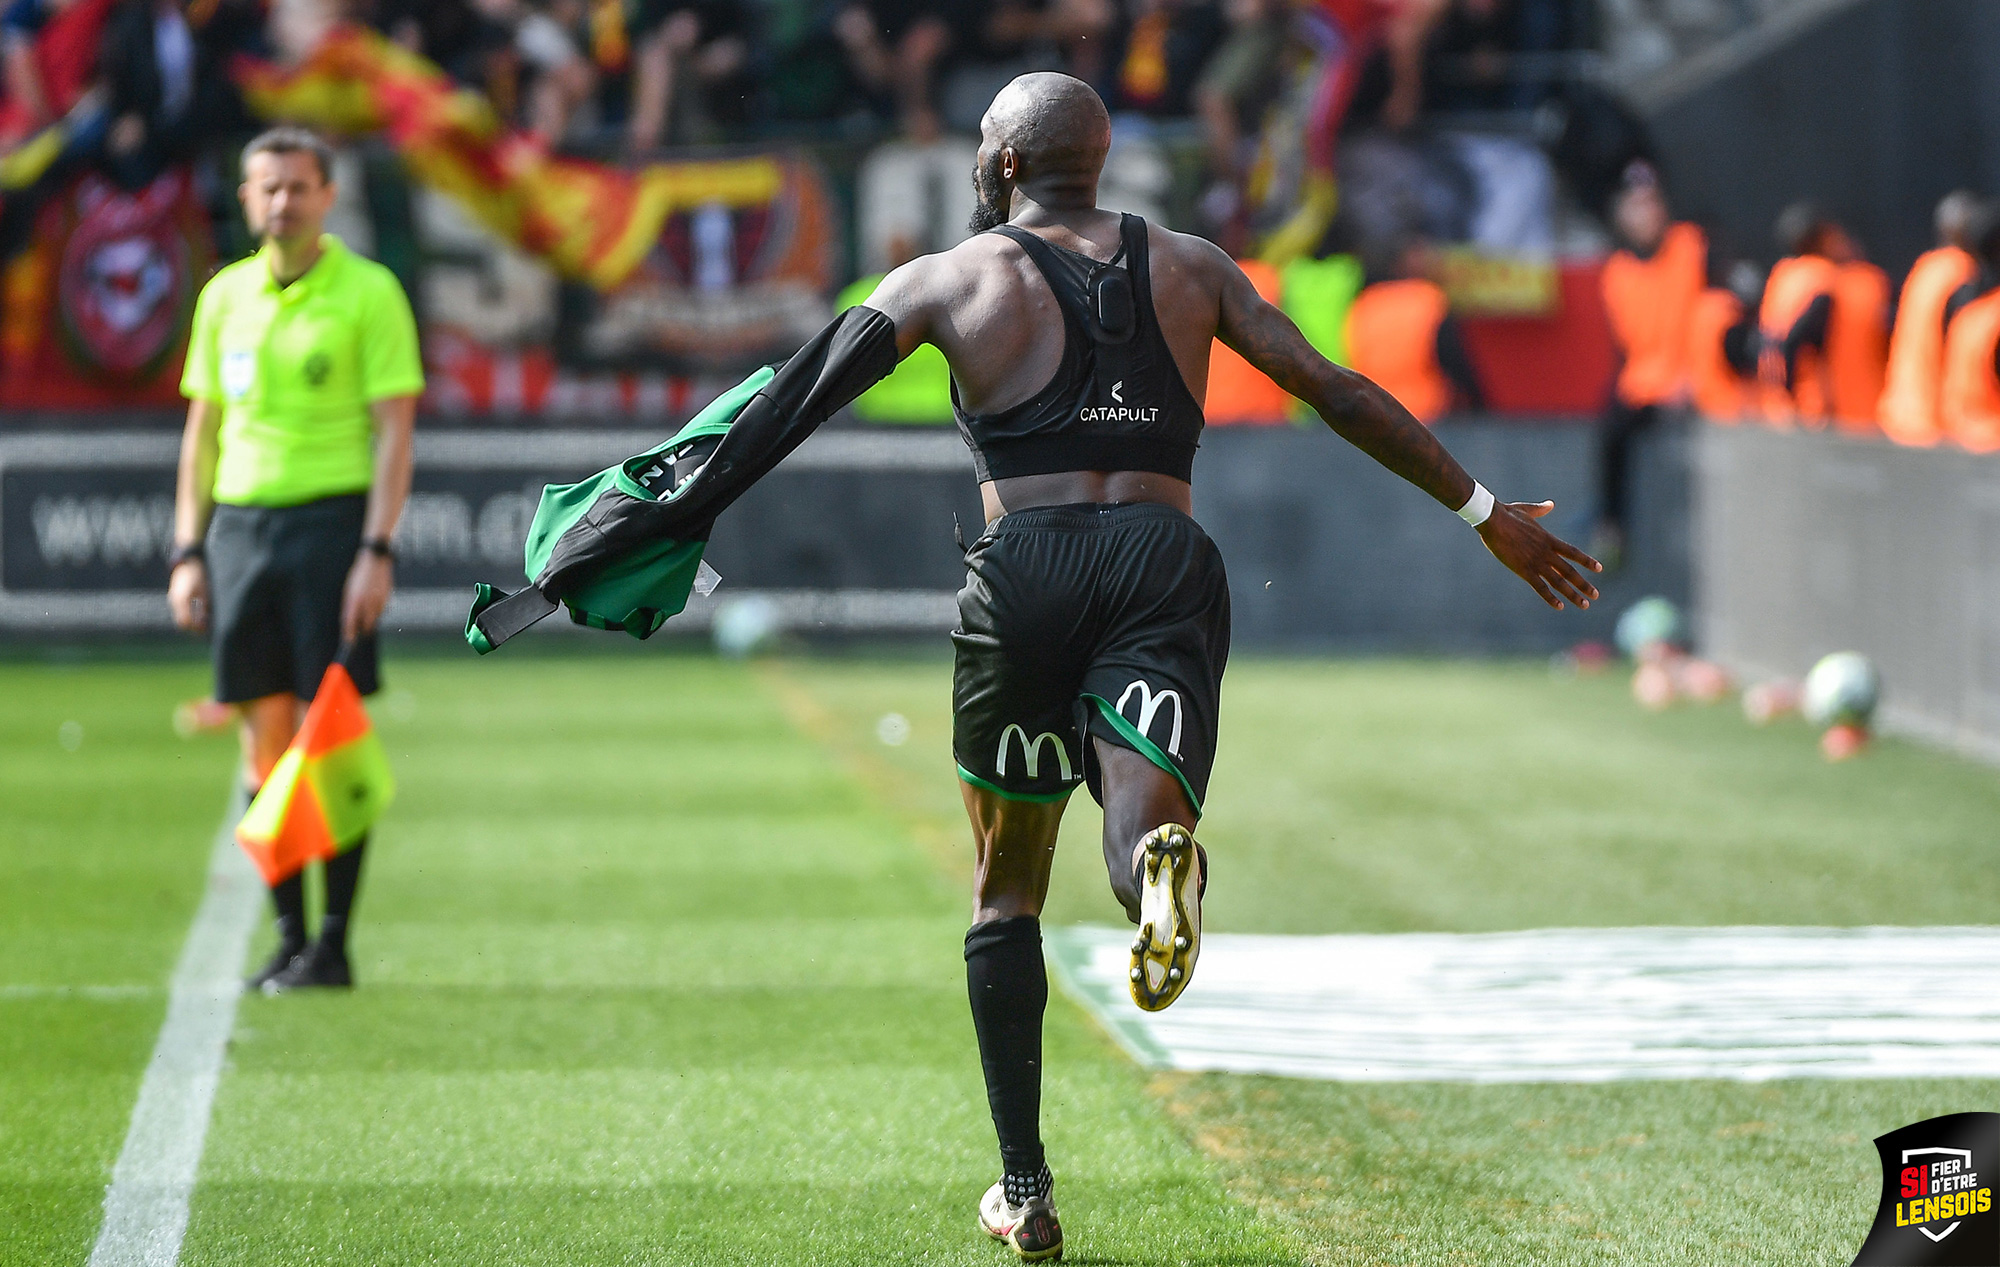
(146, 1206)
(1562, 1004)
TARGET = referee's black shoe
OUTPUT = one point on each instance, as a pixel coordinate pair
(319, 965)
(279, 962)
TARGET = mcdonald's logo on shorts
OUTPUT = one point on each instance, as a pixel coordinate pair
(1031, 752)
(1150, 703)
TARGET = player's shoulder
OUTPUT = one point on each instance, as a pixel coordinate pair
(1190, 247)
(1189, 259)
(977, 253)
(948, 275)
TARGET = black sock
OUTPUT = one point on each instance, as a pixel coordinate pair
(288, 897)
(1009, 989)
(343, 876)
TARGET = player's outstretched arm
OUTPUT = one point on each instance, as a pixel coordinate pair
(1371, 420)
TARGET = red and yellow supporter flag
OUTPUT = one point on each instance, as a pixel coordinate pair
(591, 221)
(325, 792)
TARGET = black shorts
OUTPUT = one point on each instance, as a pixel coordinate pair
(1110, 621)
(275, 579)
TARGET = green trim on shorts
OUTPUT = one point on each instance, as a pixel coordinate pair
(1039, 798)
(1144, 747)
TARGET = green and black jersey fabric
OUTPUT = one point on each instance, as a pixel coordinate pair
(621, 549)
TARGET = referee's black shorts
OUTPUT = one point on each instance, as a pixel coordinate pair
(1088, 621)
(276, 575)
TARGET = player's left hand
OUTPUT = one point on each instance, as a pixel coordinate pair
(369, 583)
(1545, 561)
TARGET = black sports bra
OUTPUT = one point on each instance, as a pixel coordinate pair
(1117, 402)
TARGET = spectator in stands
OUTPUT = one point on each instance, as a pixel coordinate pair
(1467, 57)
(1909, 406)
(911, 199)
(895, 49)
(169, 92)
(688, 77)
(470, 47)
(1401, 334)
(801, 63)
(557, 78)
(1239, 84)
(1969, 396)
(1162, 48)
(50, 60)
(1650, 285)
(1824, 326)
(1027, 32)
(48, 77)
(1347, 33)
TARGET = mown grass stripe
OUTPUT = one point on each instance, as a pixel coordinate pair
(146, 1206)
(1564, 1005)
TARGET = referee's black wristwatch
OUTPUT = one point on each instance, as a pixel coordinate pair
(379, 546)
(182, 553)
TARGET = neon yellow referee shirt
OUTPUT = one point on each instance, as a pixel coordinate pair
(295, 369)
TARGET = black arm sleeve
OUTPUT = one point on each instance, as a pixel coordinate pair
(1457, 365)
(1739, 345)
(843, 360)
(1809, 331)
(1962, 296)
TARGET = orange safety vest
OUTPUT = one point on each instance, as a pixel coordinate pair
(1857, 345)
(1793, 285)
(1239, 392)
(1969, 399)
(1720, 393)
(1908, 410)
(1392, 338)
(1649, 302)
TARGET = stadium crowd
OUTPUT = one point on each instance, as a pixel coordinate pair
(148, 80)
(1260, 92)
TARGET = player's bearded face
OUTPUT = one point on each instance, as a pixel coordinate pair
(994, 195)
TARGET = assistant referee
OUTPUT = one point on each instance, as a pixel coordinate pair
(302, 382)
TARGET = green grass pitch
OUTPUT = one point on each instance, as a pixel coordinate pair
(660, 964)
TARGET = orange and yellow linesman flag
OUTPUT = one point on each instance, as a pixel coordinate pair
(325, 792)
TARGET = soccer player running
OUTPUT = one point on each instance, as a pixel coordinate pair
(302, 381)
(1095, 615)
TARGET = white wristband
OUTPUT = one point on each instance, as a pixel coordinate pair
(1478, 508)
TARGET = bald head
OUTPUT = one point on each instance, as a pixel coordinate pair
(1057, 127)
(1955, 213)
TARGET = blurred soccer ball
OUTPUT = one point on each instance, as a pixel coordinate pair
(1842, 689)
(746, 626)
(1646, 626)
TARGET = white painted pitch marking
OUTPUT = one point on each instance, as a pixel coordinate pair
(146, 1206)
(1563, 1005)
